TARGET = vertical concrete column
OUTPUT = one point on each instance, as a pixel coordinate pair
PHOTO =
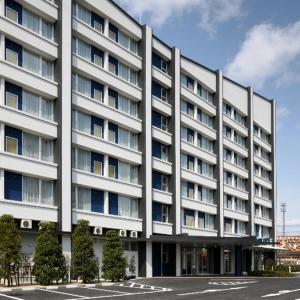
(105, 209)
(2, 11)
(250, 163)
(274, 171)
(105, 95)
(178, 260)
(146, 115)
(106, 58)
(105, 167)
(105, 130)
(64, 73)
(221, 260)
(175, 183)
(149, 272)
(106, 25)
(252, 259)
(219, 152)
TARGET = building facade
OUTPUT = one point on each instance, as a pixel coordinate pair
(100, 120)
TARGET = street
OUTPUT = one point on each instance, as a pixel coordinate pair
(169, 288)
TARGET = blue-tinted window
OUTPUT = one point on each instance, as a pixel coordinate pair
(156, 149)
(156, 180)
(96, 157)
(16, 48)
(113, 65)
(97, 52)
(156, 89)
(96, 20)
(12, 186)
(156, 119)
(157, 211)
(113, 204)
(16, 7)
(16, 90)
(95, 121)
(16, 134)
(97, 201)
(156, 60)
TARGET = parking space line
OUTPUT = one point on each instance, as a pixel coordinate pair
(104, 290)
(212, 291)
(62, 293)
(116, 295)
(11, 297)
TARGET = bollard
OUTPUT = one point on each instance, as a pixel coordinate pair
(290, 269)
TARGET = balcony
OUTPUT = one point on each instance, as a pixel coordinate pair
(203, 129)
(196, 100)
(263, 222)
(20, 119)
(235, 147)
(200, 153)
(161, 196)
(235, 169)
(162, 228)
(162, 106)
(263, 202)
(234, 214)
(28, 80)
(91, 142)
(194, 204)
(106, 183)
(236, 192)
(163, 78)
(101, 110)
(161, 135)
(199, 179)
(267, 147)
(29, 39)
(161, 165)
(261, 181)
(267, 165)
(22, 210)
(235, 125)
(44, 8)
(191, 231)
(99, 40)
(28, 166)
(107, 221)
(94, 72)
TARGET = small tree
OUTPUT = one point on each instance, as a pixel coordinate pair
(114, 262)
(83, 257)
(49, 261)
(10, 248)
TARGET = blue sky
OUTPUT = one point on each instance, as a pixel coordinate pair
(253, 42)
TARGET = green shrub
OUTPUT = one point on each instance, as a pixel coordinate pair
(83, 257)
(269, 273)
(114, 262)
(10, 248)
(49, 261)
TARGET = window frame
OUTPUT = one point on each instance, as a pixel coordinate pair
(7, 8)
(12, 139)
(14, 95)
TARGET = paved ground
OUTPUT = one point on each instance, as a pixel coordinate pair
(173, 289)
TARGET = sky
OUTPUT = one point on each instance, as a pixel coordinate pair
(254, 42)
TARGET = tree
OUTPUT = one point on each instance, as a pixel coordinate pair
(83, 257)
(114, 262)
(10, 248)
(49, 261)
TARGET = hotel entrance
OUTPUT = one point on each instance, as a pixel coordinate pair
(195, 261)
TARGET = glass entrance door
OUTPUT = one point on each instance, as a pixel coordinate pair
(194, 261)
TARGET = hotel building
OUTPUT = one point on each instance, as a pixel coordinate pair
(101, 120)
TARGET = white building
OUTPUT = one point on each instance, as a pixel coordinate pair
(100, 120)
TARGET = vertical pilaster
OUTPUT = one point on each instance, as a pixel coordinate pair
(149, 271)
(219, 152)
(67, 248)
(146, 115)
(2, 8)
(250, 163)
(175, 148)
(178, 260)
(106, 208)
(2, 91)
(274, 171)
(221, 260)
(65, 115)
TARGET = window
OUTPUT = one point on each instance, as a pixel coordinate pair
(227, 132)
(204, 143)
(111, 171)
(12, 100)
(98, 60)
(11, 56)
(97, 167)
(205, 195)
(47, 150)
(164, 123)
(164, 182)
(11, 14)
(98, 26)
(189, 218)
(11, 145)
(227, 225)
(164, 153)
(164, 214)
(98, 130)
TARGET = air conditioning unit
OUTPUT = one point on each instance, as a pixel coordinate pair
(122, 233)
(26, 224)
(133, 234)
(97, 230)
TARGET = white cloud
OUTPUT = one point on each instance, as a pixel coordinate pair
(268, 52)
(282, 112)
(290, 222)
(211, 13)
